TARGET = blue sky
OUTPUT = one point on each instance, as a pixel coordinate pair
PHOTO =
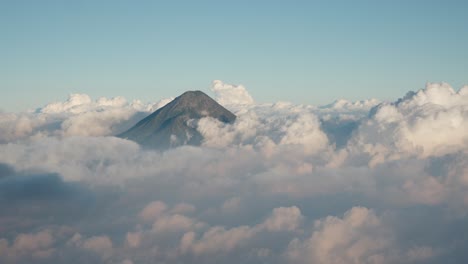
(299, 51)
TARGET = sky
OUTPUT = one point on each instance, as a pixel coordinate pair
(310, 52)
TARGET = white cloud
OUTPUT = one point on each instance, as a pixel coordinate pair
(79, 115)
(76, 103)
(34, 245)
(217, 240)
(225, 201)
(265, 127)
(227, 94)
(430, 122)
(133, 239)
(152, 211)
(343, 105)
(18, 126)
(36, 241)
(174, 223)
(98, 244)
(284, 219)
(358, 237)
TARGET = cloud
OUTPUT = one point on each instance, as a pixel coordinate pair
(153, 211)
(28, 242)
(430, 122)
(32, 245)
(351, 182)
(79, 115)
(19, 126)
(343, 105)
(227, 94)
(219, 240)
(266, 127)
(284, 219)
(173, 223)
(98, 244)
(358, 237)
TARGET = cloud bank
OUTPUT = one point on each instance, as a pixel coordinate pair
(349, 182)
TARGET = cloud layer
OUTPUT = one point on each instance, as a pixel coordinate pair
(349, 182)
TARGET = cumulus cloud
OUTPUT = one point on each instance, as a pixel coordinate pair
(219, 240)
(79, 115)
(358, 237)
(34, 246)
(343, 105)
(350, 182)
(430, 122)
(152, 211)
(28, 242)
(265, 127)
(98, 244)
(228, 94)
(284, 218)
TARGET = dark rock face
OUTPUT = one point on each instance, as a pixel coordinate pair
(173, 124)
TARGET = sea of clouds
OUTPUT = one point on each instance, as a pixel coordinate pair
(349, 182)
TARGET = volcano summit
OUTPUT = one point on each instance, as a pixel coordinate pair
(175, 124)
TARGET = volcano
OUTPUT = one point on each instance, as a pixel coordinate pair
(175, 123)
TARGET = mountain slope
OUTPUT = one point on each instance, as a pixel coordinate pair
(172, 125)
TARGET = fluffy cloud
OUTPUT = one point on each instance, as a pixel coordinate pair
(98, 244)
(78, 116)
(216, 240)
(219, 240)
(343, 105)
(227, 94)
(35, 246)
(284, 218)
(430, 122)
(29, 242)
(153, 210)
(358, 237)
(350, 182)
(265, 127)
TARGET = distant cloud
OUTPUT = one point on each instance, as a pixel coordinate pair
(344, 105)
(228, 94)
(78, 116)
(432, 121)
(358, 237)
(350, 182)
